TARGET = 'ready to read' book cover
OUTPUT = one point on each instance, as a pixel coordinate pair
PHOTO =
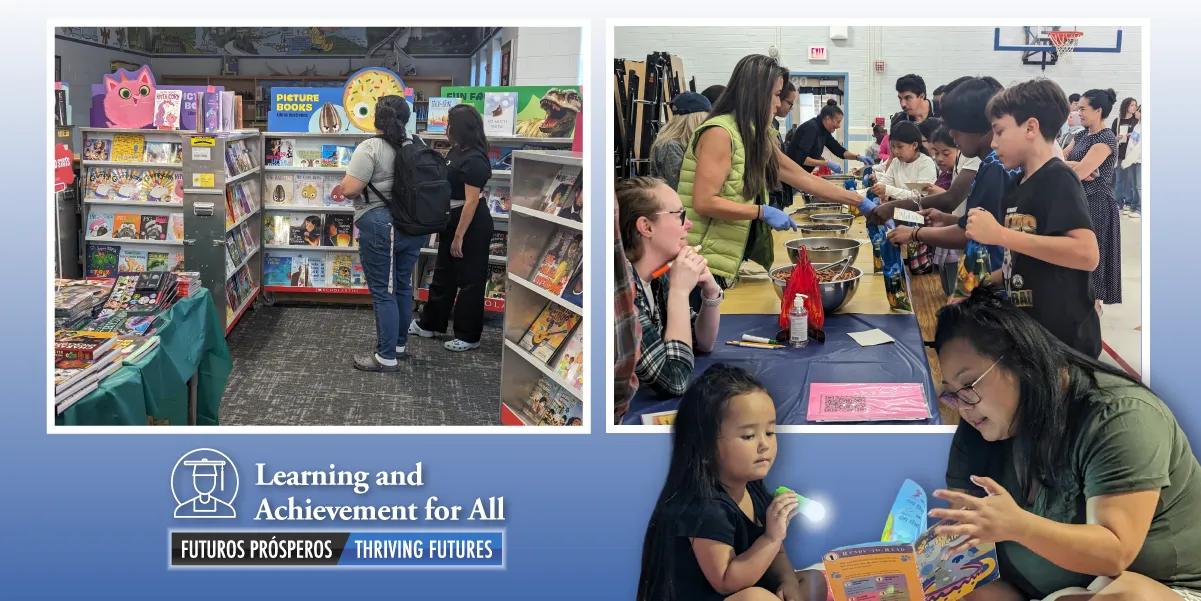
(549, 330)
(561, 257)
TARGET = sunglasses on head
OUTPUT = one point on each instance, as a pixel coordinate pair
(682, 213)
(968, 395)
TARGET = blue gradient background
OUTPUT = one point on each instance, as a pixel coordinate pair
(87, 516)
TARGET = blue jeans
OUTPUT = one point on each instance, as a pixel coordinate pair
(388, 258)
(1131, 179)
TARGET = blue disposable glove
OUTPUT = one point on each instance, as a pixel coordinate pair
(777, 219)
(866, 160)
(849, 184)
(835, 167)
(867, 206)
(1135, 136)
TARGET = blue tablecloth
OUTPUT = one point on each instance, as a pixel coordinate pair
(787, 373)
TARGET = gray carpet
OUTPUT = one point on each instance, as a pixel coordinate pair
(292, 367)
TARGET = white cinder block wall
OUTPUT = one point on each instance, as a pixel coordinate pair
(545, 56)
(938, 54)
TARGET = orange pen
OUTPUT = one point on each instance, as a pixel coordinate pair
(666, 268)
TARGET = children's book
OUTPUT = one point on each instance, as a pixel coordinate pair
(341, 269)
(167, 104)
(280, 152)
(331, 199)
(910, 571)
(562, 255)
(100, 225)
(127, 185)
(569, 366)
(661, 418)
(128, 148)
(276, 229)
(439, 110)
(305, 230)
(132, 261)
(157, 261)
(175, 226)
(98, 149)
(574, 291)
(159, 186)
(337, 230)
(540, 399)
(867, 402)
(559, 189)
(162, 152)
(99, 184)
(278, 188)
(126, 225)
(334, 156)
(499, 245)
(102, 260)
(307, 158)
(500, 113)
(498, 200)
(276, 270)
(154, 227)
(309, 190)
(549, 330)
(496, 282)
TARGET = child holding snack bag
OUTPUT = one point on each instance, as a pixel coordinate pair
(716, 532)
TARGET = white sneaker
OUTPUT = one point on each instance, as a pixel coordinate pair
(417, 331)
(459, 346)
(1125, 210)
(1134, 215)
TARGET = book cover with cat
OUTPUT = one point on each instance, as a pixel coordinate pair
(128, 148)
(277, 188)
(159, 186)
(157, 261)
(154, 227)
(500, 113)
(100, 225)
(329, 198)
(562, 255)
(308, 190)
(102, 260)
(175, 226)
(98, 149)
(549, 330)
(337, 230)
(341, 269)
(305, 229)
(498, 200)
(132, 261)
(127, 225)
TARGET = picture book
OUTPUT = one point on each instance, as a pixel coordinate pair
(157, 261)
(334, 156)
(127, 185)
(562, 255)
(573, 292)
(317, 273)
(98, 184)
(299, 272)
(175, 264)
(100, 225)
(910, 571)
(307, 158)
(427, 276)
(252, 242)
(167, 104)
(276, 270)
(126, 225)
(305, 230)
(559, 188)
(280, 152)
(439, 109)
(83, 345)
(563, 408)
(549, 330)
(98, 149)
(495, 288)
(661, 418)
(277, 188)
(154, 227)
(541, 396)
(572, 206)
(337, 230)
(175, 226)
(102, 260)
(276, 230)
(236, 234)
(233, 255)
(499, 245)
(341, 266)
(357, 278)
(163, 152)
(329, 197)
(500, 113)
(569, 367)
(867, 402)
(159, 186)
(498, 200)
(575, 412)
(132, 261)
(128, 148)
(308, 189)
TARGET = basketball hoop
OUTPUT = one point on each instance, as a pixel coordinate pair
(1065, 42)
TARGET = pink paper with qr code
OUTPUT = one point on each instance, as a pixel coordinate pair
(866, 402)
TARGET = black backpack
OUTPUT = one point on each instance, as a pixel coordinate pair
(420, 199)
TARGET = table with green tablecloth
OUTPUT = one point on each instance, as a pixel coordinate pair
(180, 381)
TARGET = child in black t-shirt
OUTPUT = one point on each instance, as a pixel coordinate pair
(1051, 247)
(715, 532)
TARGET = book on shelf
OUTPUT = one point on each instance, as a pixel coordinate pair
(499, 245)
(573, 292)
(867, 402)
(163, 152)
(305, 230)
(549, 330)
(309, 189)
(495, 288)
(341, 269)
(569, 365)
(102, 260)
(280, 152)
(659, 418)
(154, 227)
(277, 188)
(167, 104)
(338, 230)
(500, 113)
(128, 148)
(559, 260)
(332, 195)
(127, 225)
(549, 404)
(498, 200)
(132, 261)
(336, 156)
(438, 112)
(572, 206)
(98, 149)
(307, 157)
(559, 188)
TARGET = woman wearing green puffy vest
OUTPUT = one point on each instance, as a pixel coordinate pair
(732, 163)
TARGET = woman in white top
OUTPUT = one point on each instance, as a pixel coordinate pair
(909, 165)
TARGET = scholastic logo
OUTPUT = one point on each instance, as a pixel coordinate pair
(206, 486)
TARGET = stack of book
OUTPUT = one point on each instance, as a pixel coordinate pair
(136, 302)
(187, 284)
(78, 301)
(83, 359)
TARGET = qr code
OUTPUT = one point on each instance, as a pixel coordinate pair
(845, 404)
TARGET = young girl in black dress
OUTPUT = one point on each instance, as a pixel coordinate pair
(716, 533)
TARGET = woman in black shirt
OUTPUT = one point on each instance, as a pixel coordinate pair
(462, 266)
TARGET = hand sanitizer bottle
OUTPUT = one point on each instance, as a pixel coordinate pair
(798, 323)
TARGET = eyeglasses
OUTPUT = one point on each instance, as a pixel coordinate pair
(790, 104)
(968, 395)
(682, 213)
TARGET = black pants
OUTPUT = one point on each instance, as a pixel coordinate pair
(465, 277)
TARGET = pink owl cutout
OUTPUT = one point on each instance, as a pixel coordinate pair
(129, 99)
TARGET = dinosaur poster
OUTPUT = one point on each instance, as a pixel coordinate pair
(348, 109)
(543, 112)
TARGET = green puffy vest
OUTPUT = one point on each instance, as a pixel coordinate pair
(724, 243)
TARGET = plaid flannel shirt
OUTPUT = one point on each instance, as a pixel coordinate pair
(666, 365)
(626, 329)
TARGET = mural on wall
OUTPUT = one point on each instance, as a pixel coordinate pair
(546, 112)
(396, 47)
(344, 109)
(113, 37)
(261, 41)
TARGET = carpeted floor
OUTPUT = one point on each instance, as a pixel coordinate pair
(292, 367)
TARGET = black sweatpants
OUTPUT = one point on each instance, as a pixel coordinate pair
(465, 277)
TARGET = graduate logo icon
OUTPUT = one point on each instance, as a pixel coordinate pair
(206, 486)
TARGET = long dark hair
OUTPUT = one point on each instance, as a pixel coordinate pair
(466, 128)
(391, 118)
(1048, 414)
(692, 473)
(748, 97)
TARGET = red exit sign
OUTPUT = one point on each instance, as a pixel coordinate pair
(817, 53)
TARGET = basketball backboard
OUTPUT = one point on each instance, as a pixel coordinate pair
(1034, 38)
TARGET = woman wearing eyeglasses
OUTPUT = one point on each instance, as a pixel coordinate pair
(654, 231)
(1079, 474)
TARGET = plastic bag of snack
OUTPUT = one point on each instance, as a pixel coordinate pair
(803, 280)
(973, 270)
(896, 281)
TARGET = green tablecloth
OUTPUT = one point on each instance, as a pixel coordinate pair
(155, 388)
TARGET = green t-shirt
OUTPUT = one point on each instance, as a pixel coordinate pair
(1128, 441)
